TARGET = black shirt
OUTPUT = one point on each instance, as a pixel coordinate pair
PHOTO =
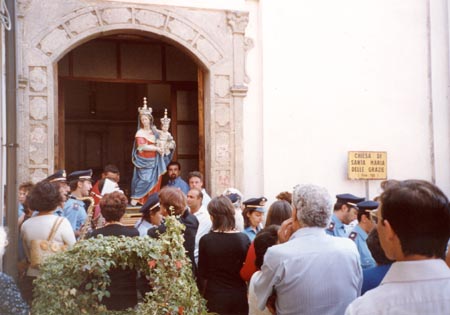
(220, 258)
(123, 281)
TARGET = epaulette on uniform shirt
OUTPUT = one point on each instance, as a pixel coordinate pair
(331, 226)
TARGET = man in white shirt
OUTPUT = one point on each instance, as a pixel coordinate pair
(310, 272)
(195, 180)
(414, 228)
(194, 201)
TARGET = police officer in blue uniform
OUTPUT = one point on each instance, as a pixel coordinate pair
(360, 232)
(344, 213)
(253, 216)
(80, 183)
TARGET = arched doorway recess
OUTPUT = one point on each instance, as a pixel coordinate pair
(101, 84)
(42, 42)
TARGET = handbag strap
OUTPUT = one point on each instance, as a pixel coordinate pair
(55, 228)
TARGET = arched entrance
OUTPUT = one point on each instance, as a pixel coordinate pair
(102, 83)
(215, 39)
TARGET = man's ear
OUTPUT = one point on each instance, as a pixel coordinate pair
(389, 232)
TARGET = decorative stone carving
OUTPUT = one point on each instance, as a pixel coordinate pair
(57, 38)
(38, 79)
(38, 135)
(83, 22)
(223, 177)
(237, 21)
(38, 108)
(208, 50)
(248, 44)
(222, 86)
(37, 154)
(222, 112)
(181, 30)
(223, 148)
(117, 16)
(22, 6)
(150, 18)
(37, 175)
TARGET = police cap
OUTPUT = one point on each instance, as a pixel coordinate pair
(151, 203)
(80, 175)
(256, 204)
(58, 176)
(350, 199)
(367, 205)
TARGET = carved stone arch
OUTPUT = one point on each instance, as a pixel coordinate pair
(87, 23)
(221, 55)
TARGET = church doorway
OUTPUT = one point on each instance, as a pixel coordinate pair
(102, 83)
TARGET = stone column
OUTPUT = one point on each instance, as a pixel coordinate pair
(238, 22)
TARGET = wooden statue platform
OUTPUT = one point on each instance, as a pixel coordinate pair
(131, 216)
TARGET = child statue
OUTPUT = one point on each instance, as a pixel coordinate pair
(165, 142)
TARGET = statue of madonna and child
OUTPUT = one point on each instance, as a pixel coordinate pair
(152, 152)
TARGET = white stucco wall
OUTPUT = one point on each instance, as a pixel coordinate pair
(348, 75)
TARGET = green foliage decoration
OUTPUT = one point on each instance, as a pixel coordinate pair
(75, 282)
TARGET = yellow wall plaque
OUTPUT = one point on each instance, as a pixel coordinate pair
(367, 165)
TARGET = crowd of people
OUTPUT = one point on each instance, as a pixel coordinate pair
(301, 255)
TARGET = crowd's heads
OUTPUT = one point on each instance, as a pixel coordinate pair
(3, 241)
(173, 169)
(58, 176)
(235, 196)
(45, 196)
(195, 179)
(111, 172)
(194, 198)
(113, 206)
(81, 180)
(364, 208)
(59, 180)
(345, 207)
(264, 239)
(151, 204)
(24, 189)
(285, 195)
(172, 200)
(418, 213)
(313, 205)
(373, 242)
(279, 211)
(254, 211)
(222, 213)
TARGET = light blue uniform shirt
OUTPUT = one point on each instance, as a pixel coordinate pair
(75, 212)
(336, 227)
(250, 232)
(359, 236)
(179, 183)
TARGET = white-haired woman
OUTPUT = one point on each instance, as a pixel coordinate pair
(11, 302)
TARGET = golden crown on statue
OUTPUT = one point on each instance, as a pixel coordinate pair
(144, 110)
(165, 120)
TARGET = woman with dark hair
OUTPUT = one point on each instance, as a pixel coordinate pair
(173, 202)
(221, 255)
(266, 237)
(123, 281)
(45, 198)
(279, 211)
